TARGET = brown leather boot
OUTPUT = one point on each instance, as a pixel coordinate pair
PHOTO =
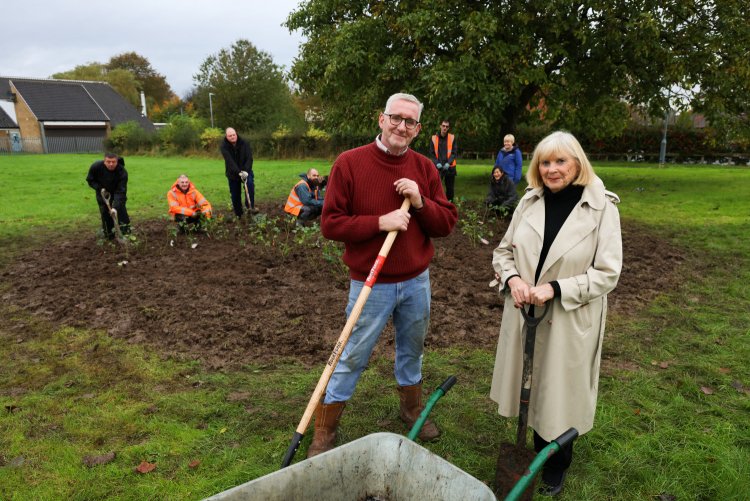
(411, 408)
(326, 421)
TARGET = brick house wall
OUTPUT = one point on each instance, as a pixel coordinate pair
(28, 125)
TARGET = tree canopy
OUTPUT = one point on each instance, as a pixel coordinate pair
(250, 92)
(153, 84)
(488, 65)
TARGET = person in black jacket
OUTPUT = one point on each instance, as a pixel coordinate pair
(238, 162)
(109, 179)
(502, 197)
(443, 154)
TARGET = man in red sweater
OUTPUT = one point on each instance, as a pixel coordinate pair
(367, 186)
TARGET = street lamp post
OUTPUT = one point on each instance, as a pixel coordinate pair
(211, 108)
(663, 148)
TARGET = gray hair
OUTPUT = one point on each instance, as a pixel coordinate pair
(556, 143)
(400, 96)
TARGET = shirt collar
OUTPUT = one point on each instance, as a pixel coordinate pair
(385, 148)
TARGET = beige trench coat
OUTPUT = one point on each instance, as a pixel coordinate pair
(585, 258)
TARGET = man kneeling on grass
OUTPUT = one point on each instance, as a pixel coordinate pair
(186, 204)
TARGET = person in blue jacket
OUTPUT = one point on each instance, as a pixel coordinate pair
(509, 159)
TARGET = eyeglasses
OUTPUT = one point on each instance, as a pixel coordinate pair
(396, 120)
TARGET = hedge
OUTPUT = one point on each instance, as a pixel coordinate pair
(190, 136)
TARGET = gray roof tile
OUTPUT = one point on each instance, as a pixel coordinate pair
(116, 107)
(74, 100)
(6, 122)
(59, 101)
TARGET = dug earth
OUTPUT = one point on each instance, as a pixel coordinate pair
(263, 291)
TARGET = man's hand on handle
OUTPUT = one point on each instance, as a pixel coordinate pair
(396, 220)
(409, 189)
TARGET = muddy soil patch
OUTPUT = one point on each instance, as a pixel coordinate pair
(250, 294)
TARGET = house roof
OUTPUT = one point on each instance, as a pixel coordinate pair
(73, 100)
(66, 101)
(6, 122)
(116, 107)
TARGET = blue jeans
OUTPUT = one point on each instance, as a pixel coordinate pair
(409, 304)
(237, 193)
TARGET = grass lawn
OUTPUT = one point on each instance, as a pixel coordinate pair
(673, 420)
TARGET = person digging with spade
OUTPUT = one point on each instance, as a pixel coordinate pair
(109, 179)
(238, 166)
(367, 187)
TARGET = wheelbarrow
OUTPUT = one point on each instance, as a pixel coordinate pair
(378, 467)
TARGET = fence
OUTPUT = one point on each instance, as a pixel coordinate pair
(14, 145)
(75, 144)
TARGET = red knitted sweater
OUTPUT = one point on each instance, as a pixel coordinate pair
(360, 190)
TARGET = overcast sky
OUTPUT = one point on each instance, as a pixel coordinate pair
(42, 37)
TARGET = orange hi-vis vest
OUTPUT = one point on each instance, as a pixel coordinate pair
(293, 203)
(188, 203)
(449, 149)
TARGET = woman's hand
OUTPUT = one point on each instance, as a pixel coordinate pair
(519, 290)
(541, 294)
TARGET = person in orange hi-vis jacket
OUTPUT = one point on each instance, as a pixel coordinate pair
(187, 205)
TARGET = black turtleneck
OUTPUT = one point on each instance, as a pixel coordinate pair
(557, 208)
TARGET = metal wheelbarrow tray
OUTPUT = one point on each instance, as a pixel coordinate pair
(380, 466)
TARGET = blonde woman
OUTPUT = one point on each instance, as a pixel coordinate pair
(509, 159)
(563, 245)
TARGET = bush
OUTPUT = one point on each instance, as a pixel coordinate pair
(130, 136)
(315, 139)
(210, 138)
(182, 133)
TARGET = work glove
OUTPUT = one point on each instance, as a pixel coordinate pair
(105, 193)
(243, 175)
(113, 213)
(439, 166)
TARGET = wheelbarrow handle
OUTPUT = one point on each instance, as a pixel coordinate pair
(536, 465)
(534, 321)
(448, 384)
(567, 437)
(436, 395)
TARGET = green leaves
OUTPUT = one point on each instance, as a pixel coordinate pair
(153, 84)
(484, 63)
(250, 91)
